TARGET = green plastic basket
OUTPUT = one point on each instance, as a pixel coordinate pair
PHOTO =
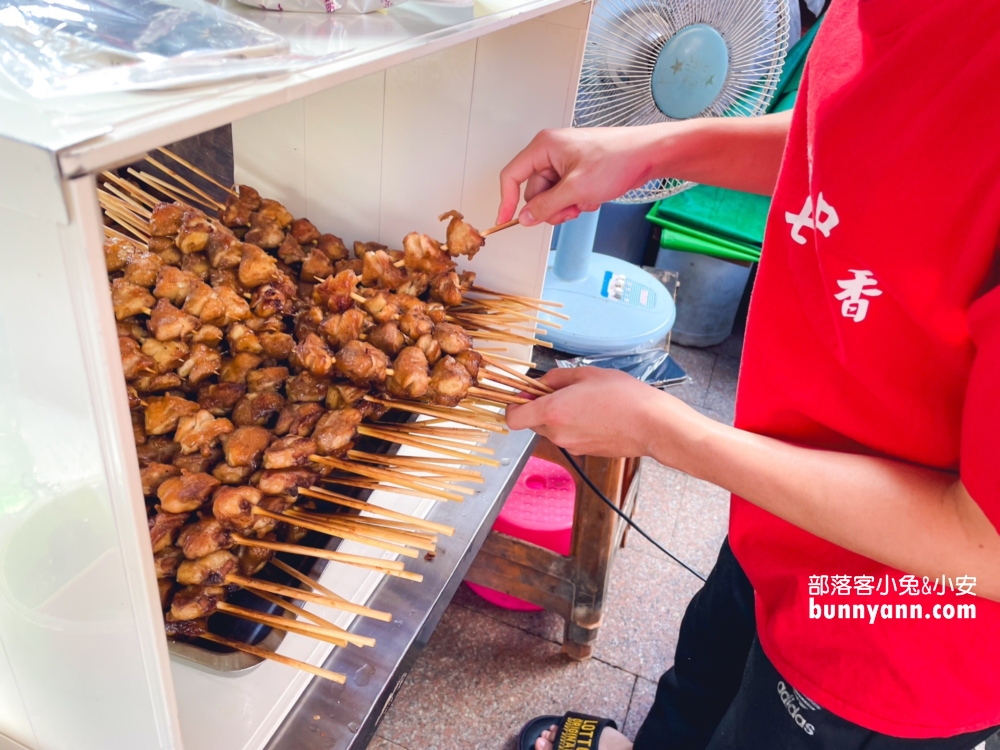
(679, 237)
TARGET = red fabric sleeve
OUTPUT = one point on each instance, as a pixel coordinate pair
(980, 462)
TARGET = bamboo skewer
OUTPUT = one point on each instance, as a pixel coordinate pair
(437, 446)
(303, 578)
(375, 486)
(197, 171)
(339, 602)
(298, 611)
(128, 200)
(144, 238)
(289, 625)
(419, 464)
(467, 434)
(354, 504)
(337, 527)
(501, 308)
(387, 476)
(334, 602)
(171, 190)
(527, 387)
(121, 213)
(282, 623)
(368, 522)
(517, 297)
(271, 656)
(325, 554)
(125, 219)
(167, 170)
(430, 442)
(515, 306)
(495, 354)
(486, 413)
(489, 334)
(159, 186)
(498, 227)
(452, 415)
(132, 188)
(511, 371)
(388, 547)
(109, 232)
(536, 306)
(389, 567)
(498, 396)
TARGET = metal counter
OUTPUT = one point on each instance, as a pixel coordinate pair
(348, 715)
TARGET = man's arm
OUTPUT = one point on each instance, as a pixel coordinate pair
(912, 519)
(573, 170)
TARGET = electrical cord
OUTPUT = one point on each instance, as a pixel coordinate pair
(628, 520)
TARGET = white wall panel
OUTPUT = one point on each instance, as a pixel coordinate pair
(343, 141)
(525, 81)
(14, 722)
(77, 592)
(427, 104)
(270, 154)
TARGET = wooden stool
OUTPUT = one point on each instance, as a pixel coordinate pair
(573, 586)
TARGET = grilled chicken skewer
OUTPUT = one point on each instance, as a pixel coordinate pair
(251, 345)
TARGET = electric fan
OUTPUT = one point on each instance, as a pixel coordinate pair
(649, 61)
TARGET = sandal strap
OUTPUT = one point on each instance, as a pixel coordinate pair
(580, 731)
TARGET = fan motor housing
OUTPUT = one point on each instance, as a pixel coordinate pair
(690, 71)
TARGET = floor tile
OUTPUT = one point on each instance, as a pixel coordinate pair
(642, 699)
(698, 364)
(660, 495)
(721, 394)
(732, 347)
(701, 526)
(479, 680)
(547, 625)
(380, 743)
(647, 597)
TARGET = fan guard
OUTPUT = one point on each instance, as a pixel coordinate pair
(628, 38)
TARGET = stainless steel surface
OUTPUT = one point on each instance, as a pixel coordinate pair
(349, 714)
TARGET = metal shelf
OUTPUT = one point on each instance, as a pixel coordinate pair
(349, 714)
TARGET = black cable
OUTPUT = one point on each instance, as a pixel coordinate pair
(628, 520)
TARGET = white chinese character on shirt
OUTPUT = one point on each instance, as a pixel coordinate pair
(819, 585)
(853, 302)
(965, 585)
(825, 219)
(841, 585)
(910, 585)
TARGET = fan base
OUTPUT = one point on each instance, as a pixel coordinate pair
(617, 307)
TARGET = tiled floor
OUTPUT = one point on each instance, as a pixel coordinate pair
(488, 670)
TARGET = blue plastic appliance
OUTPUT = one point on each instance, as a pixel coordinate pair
(613, 306)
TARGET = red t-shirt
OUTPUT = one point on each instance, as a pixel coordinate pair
(875, 328)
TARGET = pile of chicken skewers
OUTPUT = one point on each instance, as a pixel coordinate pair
(253, 347)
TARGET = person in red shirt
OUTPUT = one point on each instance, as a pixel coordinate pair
(858, 605)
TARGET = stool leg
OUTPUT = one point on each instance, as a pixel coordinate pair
(594, 528)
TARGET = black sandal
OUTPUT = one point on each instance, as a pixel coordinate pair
(575, 731)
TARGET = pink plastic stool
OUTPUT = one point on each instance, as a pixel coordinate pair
(539, 510)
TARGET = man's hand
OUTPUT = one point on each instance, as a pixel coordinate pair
(913, 519)
(573, 170)
(596, 412)
(566, 172)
